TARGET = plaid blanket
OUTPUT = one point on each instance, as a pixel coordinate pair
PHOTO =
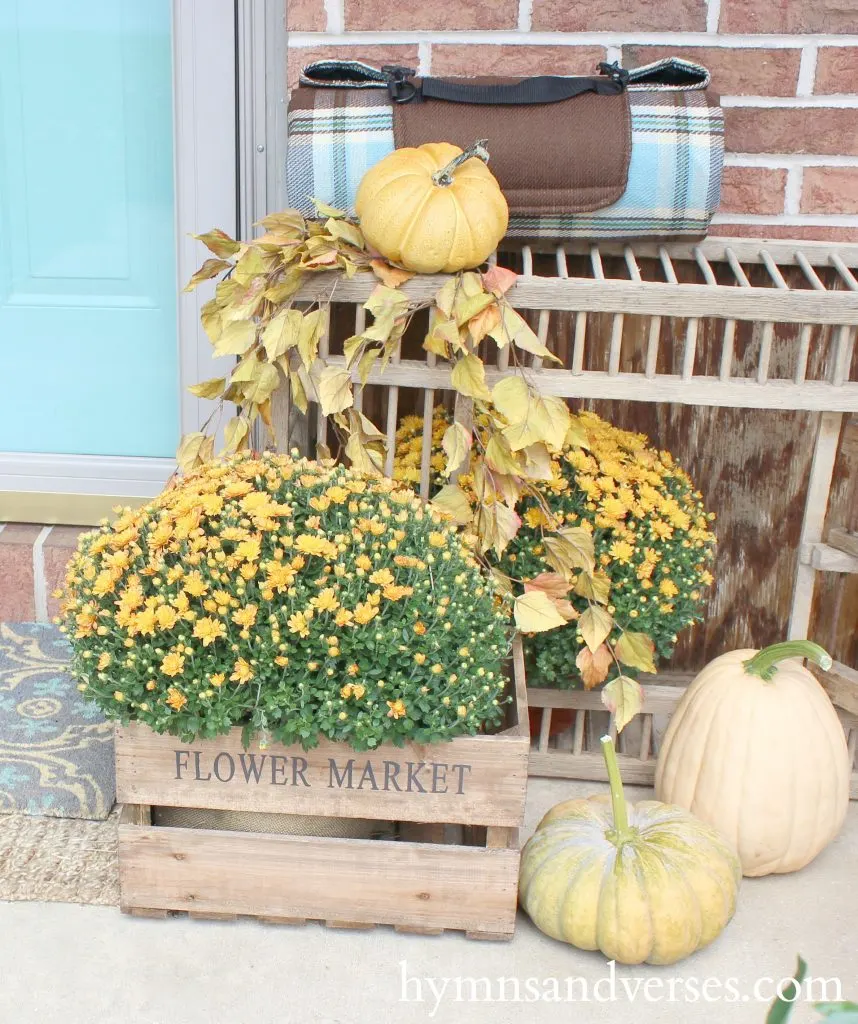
(674, 183)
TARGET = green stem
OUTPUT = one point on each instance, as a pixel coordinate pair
(445, 175)
(618, 799)
(765, 662)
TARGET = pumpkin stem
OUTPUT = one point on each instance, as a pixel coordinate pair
(765, 662)
(618, 798)
(445, 175)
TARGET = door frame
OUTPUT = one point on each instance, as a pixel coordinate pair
(228, 56)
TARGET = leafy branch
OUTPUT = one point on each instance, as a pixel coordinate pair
(255, 317)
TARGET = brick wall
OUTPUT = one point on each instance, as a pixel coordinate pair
(787, 71)
(32, 565)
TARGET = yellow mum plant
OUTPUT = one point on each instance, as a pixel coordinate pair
(615, 545)
(292, 598)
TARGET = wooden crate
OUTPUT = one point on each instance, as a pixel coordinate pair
(736, 355)
(574, 752)
(478, 782)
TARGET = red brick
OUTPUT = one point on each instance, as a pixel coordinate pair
(430, 15)
(836, 69)
(299, 56)
(753, 190)
(830, 190)
(57, 550)
(824, 130)
(17, 593)
(739, 72)
(616, 16)
(788, 16)
(467, 59)
(306, 16)
(803, 233)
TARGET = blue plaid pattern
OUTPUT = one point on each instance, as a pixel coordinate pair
(674, 184)
(331, 147)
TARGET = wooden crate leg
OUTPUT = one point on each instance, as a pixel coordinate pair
(489, 936)
(145, 912)
(352, 925)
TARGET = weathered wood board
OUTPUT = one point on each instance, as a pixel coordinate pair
(477, 780)
(346, 882)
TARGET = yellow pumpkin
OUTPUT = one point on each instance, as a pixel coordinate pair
(755, 749)
(647, 883)
(432, 209)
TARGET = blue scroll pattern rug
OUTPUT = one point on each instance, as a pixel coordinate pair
(56, 751)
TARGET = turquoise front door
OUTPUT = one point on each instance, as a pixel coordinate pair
(88, 349)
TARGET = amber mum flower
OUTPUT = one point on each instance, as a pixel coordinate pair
(649, 529)
(287, 598)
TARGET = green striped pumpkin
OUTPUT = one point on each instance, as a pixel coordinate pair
(649, 883)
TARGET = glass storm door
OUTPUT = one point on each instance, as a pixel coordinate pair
(88, 336)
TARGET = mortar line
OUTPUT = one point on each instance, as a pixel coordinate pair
(792, 192)
(807, 71)
(40, 586)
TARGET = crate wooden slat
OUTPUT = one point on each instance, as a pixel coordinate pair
(344, 882)
(329, 780)
(552, 759)
(439, 876)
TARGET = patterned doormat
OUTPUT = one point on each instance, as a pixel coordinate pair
(56, 751)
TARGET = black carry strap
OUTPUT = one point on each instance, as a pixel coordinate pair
(355, 74)
(544, 89)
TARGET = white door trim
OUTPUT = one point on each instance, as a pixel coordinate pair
(204, 91)
(83, 474)
(205, 156)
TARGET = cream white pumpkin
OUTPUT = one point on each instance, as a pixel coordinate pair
(755, 748)
(641, 883)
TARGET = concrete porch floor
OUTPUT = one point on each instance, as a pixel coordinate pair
(65, 964)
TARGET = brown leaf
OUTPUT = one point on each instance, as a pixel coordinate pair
(570, 550)
(595, 626)
(636, 650)
(456, 443)
(486, 320)
(499, 457)
(566, 609)
(535, 612)
(550, 583)
(236, 338)
(453, 502)
(212, 388)
(287, 222)
(219, 242)
(622, 697)
(496, 524)
(594, 586)
(345, 231)
(188, 455)
(593, 665)
(210, 269)
(469, 378)
(446, 296)
(389, 275)
(499, 280)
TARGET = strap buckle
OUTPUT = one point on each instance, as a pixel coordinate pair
(399, 87)
(617, 74)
